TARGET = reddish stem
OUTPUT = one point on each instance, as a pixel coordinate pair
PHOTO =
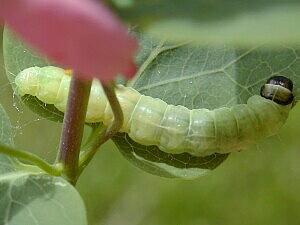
(73, 127)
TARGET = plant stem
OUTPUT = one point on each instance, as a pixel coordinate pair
(102, 134)
(116, 109)
(33, 159)
(73, 127)
(99, 138)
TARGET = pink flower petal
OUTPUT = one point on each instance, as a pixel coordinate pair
(130, 70)
(80, 34)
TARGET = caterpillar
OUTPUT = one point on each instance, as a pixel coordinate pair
(174, 129)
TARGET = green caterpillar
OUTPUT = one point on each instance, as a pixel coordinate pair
(174, 129)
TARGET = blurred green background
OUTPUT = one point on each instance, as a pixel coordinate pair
(257, 186)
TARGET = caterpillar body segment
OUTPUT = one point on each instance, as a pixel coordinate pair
(174, 129)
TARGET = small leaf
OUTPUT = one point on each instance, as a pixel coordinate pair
(39, 199)
(244, 23)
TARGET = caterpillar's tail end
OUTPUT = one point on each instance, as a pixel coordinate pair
(27, 81)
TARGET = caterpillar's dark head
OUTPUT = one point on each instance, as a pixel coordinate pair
(278, 89)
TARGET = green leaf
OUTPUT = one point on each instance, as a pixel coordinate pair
(6, 136)
(200, 77)
(19, 56)
(246, 22)
(7, 164)
(28, 196)
(39, 199)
